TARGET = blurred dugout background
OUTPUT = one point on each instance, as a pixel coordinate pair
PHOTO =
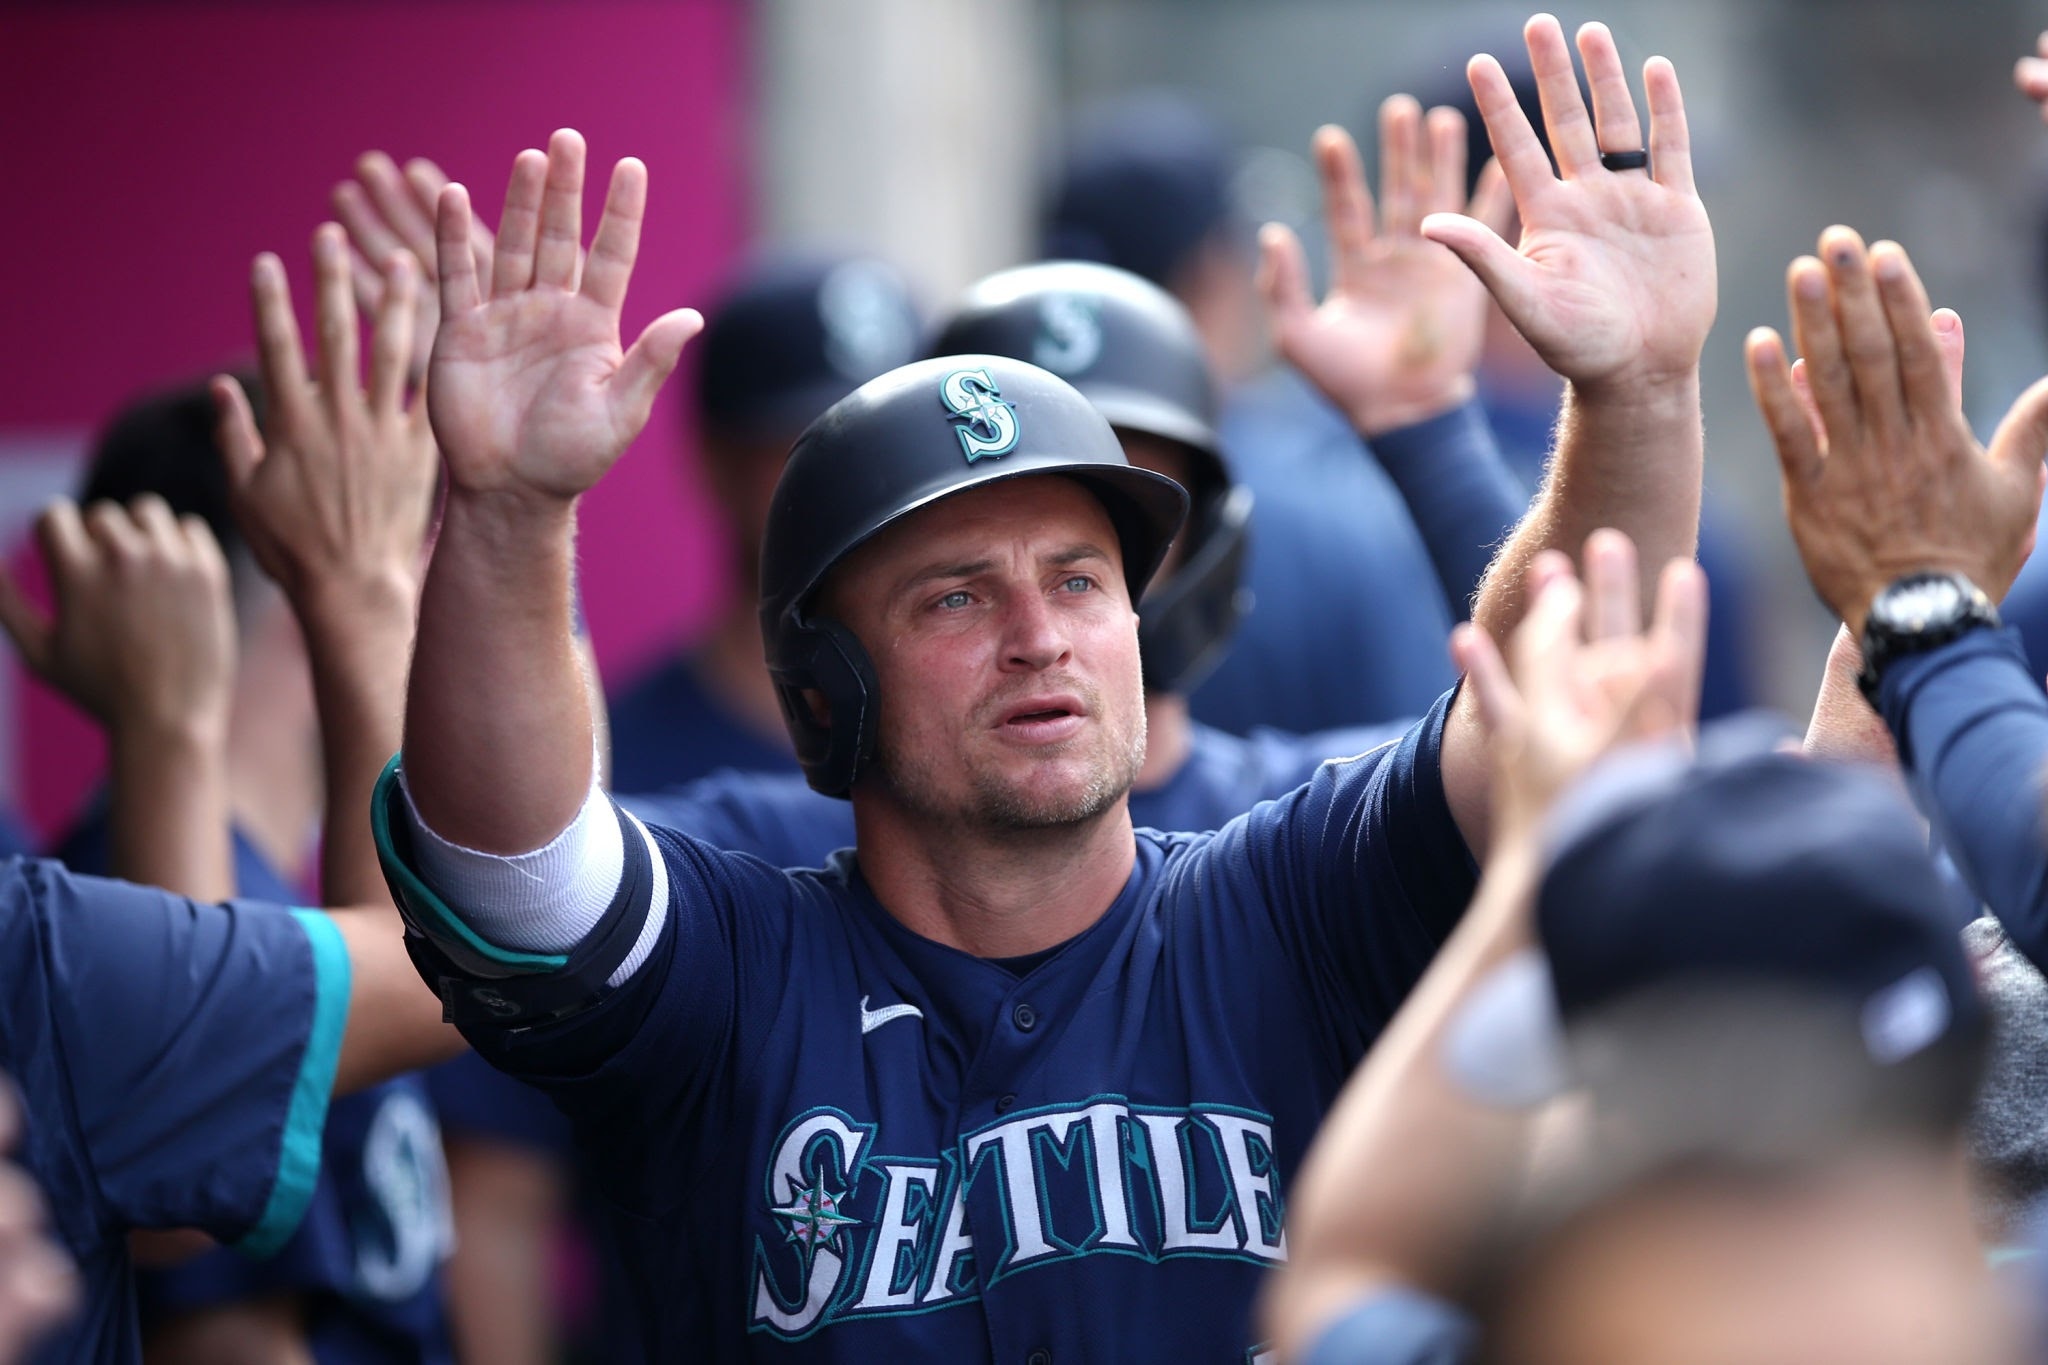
(152, 148)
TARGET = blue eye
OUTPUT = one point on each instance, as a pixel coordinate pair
(1078, 583)
(956, 599)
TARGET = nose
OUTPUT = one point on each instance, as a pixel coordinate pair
(1034, 638)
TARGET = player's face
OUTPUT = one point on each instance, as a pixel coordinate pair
(1005, 650)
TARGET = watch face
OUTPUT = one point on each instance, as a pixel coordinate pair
(1917, 603)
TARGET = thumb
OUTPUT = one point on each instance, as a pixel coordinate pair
(2022, 438)
(648, 365)
(241, 446)
(1283, 279)
(1499, 266)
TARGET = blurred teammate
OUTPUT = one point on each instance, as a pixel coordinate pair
(955, 640)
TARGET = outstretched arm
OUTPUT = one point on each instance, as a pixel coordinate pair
(1395, 342)
(1613, 284)
(143, 639)
(1409, 1171)
(533, 398)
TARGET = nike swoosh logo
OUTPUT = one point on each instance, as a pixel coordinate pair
(870, 1020)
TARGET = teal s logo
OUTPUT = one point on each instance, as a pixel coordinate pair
(989, 430)
(1069, 334)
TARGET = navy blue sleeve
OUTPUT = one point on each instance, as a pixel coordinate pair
(1364, 874)
(1971, 724)
(776, 817)
(177, 1057)
(1460, 492)
(1396, 1327)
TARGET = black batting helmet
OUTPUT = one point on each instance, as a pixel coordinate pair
(1132, 351)
(898, 443)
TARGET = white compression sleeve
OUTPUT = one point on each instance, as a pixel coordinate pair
(546, 900)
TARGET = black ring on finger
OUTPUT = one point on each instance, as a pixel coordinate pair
(1637, 160)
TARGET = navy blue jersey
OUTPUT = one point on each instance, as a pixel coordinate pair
(174, 1060)
(366, 1256)
(667, 729)
(851, 1140)
(780, 820)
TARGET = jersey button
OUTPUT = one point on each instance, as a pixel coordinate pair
(1024, 1017)
(1003, 1104)
(1038, 1358)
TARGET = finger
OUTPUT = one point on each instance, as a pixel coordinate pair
(1670, 141)
(369, 288)
(2030, 74)
(650, 362)
(408, 218)
(1819, 339)
(391, 346)
(1678, 633)
(1866, 332)
(1557, 85)
(1948, 334)
(1547, 567)
(1492, 204)
(459, 280)
(1515, 146)
(67, 550)
(617, 244)
(281, 356)
(156, 525)
(1283, 281)
(1446, 169)
(340, 331)
(426, 180)
(1502, 269)
(1802, 388)
(1792, 429)
(241, 445)
(518, 227)
(1486, 673)
(1614, 109)
(558, 253)
(1544, 645)
(1614, 608)
(32, 631)
(1347, 206)
(1401, 155)
(368, 231)
(1922, 368)
(2022, 438)
(204, 549)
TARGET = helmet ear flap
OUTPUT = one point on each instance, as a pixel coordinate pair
(824, 656)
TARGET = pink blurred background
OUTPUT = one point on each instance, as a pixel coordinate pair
(153, 150)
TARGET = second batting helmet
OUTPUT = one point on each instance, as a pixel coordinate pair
(899, 443)
(1132, 351)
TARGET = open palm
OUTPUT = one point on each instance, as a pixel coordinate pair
(1614, 279)
(530, 389)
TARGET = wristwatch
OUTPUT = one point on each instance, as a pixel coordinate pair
(1919, 612)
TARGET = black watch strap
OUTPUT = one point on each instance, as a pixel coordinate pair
(1915, 614)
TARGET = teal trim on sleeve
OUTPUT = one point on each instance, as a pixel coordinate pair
(298, 1162)
(421, 899)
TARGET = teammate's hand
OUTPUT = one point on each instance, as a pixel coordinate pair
(1583, 676)
(531, 393)
(334, 494)
(1399, 334)
(2030, 74)
(1890, 481)
(38, 1284)
(389, 212)
(143, 636)
(1613, 283)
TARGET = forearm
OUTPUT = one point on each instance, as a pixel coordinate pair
(1460, 492)
(1844, 727)
(1408, 1170)
(394, 1021)
(168, 815)
(1629, 458)
(359, 641)
(1971, 725)
(498, 729)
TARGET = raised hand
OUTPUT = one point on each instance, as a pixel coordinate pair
(1613, 282)
(143, 634)
(2030, 74)
(388, 212)
(531, 392)
(335, 492)
(1583, 676)
(1891, 481)
(1399, 334)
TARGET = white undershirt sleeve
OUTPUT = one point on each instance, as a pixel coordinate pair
(549, 899)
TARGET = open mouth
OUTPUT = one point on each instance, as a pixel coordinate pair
(1042, 720)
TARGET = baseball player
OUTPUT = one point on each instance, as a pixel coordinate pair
(1008, 1081)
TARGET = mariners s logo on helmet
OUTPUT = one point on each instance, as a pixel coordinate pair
(1069, 334)
(989, 430)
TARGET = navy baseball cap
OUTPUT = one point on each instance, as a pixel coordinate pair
(1751, 872)
(794, 334)
(1146, 180)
